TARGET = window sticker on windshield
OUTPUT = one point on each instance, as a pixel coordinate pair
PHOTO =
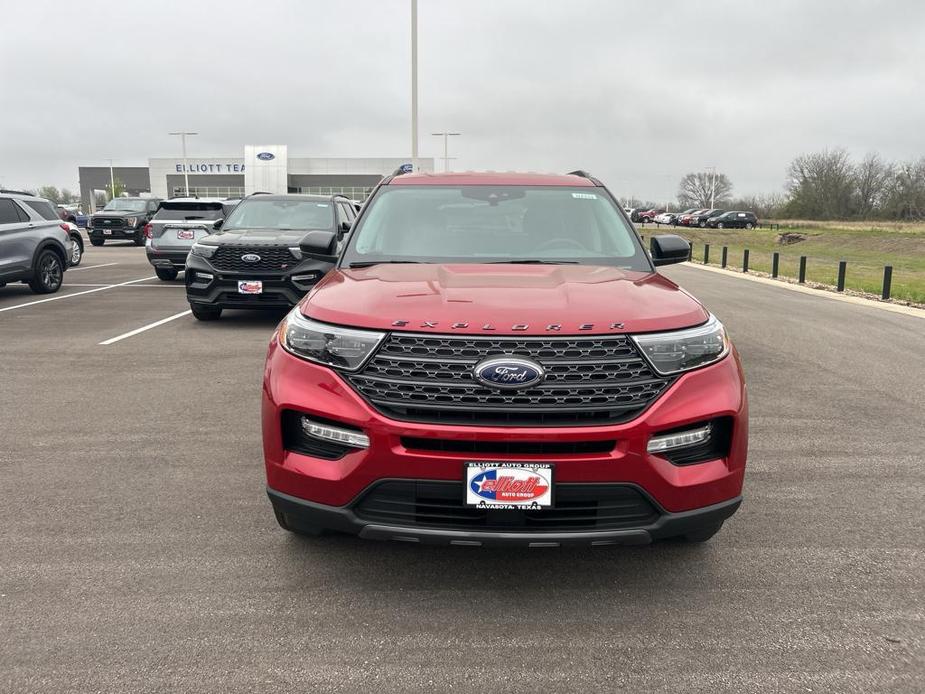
(585, 196)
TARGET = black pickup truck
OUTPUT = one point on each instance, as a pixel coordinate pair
(123, 219)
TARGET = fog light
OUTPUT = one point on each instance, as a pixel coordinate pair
(203, 277)
(679, 439)
(310, 277)
(347, 437)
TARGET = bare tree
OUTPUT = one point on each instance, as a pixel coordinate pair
(872, 177)
(50, 193)
(703, 190)
(821, 185)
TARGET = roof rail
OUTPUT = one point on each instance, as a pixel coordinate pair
(18, 192)
(579, 172)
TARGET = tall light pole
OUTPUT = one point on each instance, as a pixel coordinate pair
(112, 181)
(712, 186)
(183, 135)
(414, 81)
(446, 154)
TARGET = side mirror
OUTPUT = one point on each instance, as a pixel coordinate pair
(316, 243)
(343, 229)
(217, 224)
(667, 249)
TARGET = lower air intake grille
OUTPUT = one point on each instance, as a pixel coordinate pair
(508, 447)
(578, 507)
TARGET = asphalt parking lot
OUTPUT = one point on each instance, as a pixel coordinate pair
(138, 551)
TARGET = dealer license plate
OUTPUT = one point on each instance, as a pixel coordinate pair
(508, 485)
(250, 287)
(185, 234)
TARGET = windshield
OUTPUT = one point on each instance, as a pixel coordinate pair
(125, 205)
(494, 224)
(189, 210)
(263, 213)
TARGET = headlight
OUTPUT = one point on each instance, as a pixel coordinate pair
(131, 221)
(326, 344)
(203, 251)
(682, 350)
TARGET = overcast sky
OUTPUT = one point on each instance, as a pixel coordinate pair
(637, 92)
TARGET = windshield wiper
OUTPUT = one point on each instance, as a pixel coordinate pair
(370, 263)
(533, 261)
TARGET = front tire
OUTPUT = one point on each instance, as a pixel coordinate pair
(205, 313)
(166, 273)
(48, 273)
(97, 242)
(749, 226)
(139, 239)
(78, 253)
(720, 226)
(702, 225)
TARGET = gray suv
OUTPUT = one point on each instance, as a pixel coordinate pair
(35, 245)
(177, 225)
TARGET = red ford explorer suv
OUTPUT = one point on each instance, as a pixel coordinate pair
(494, 360)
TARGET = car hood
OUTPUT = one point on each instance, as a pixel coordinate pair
(264, 237)
(493, 299)
(113, 214)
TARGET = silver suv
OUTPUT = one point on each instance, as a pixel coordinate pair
(177, 225)
(35, 245)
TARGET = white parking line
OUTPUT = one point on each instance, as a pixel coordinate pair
(68, 296)
(136, 331)
(134, 286)
(89, 267)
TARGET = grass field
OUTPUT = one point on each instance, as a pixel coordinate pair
(866, 246)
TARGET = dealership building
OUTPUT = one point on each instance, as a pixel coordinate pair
(261, 168)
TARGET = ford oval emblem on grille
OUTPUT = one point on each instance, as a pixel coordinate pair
(508, 372)
(250, 258)
(266, 156)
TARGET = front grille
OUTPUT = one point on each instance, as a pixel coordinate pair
(272, 258)
(108, 223)
(577, 507)
(508, 447)
(428, 378)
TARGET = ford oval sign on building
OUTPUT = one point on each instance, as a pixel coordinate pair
(266, 156)
(508, 372)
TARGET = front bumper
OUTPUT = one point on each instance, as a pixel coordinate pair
(329, 489)
(208, 286)
(121, 234)
(299, 512)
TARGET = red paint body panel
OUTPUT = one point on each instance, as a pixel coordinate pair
(291, 383)
(465, 298)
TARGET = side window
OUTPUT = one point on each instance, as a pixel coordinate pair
(9, 213)
(44, 209)
(342, 215)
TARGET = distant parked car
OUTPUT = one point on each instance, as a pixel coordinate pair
(666, 218)
(649, 215)
(176, 226)
(259, 259)
(684, 219)
(733, 220)
(35, 245)
(72, 214)
(122, 218)
(678, 215)
(700, 219)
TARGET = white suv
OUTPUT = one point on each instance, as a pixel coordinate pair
(35, 245)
